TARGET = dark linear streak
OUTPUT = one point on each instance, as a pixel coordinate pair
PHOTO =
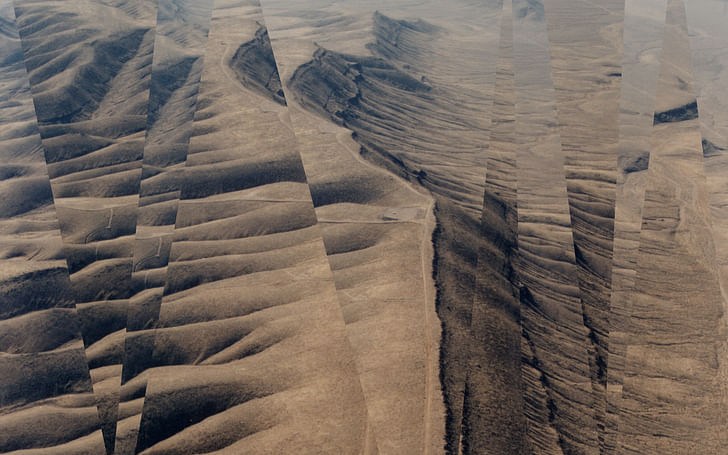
(679, 114)
(711, 150)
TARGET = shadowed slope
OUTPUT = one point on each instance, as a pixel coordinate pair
(89, 65)
(255, 66)
(674, 397)
(493, 410)
(418, 106)
(250, 354)
(46, 397)
(558, 394)
(181, 33)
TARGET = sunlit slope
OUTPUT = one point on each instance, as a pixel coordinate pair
(377, 232)
(708, 39)
(181, 34)
(89, 65)
(493, 410)
(585, 45)
(46, 399)
(643, 32)
(250, 354)
(674, 384)
(376, 229)
(417, 95)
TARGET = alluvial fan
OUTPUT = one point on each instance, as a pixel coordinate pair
(391, 227)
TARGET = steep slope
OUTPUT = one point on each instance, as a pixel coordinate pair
(708, 43)
(643, 31)
(250, 351)
(493, 410)
(674, 393)
(89, 64)
(46, 396)
(416, 95)
(255, 66)
(556, 375)
(585, 45)
(181, 33)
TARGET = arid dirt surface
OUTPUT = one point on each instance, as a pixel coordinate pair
(387, 227)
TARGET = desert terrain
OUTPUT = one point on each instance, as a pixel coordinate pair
(46, 396)
(341, 227)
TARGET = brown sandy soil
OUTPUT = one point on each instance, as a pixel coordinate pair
(559, 404)
(46, 400)
(181, 34)
(673, 398)
(89, 64)
(452, 227)
(585, 45)
(493, 410)
(250, 351)
(708, 46)
(643, 32)
(412, 87)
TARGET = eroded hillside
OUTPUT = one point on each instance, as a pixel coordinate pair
(410, 227)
